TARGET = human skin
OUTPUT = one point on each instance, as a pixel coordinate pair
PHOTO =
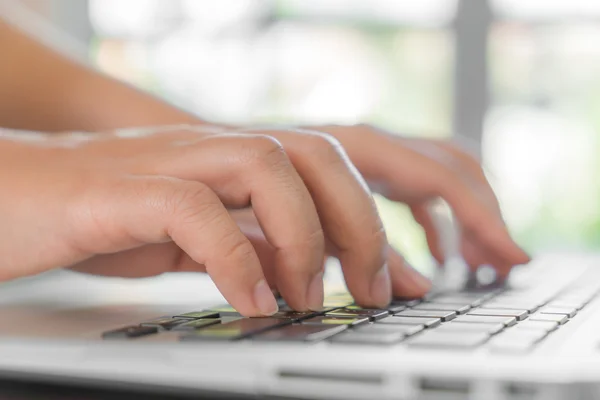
(254, 207)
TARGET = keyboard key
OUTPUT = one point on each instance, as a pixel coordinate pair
(459, 309)
(197, 324)
(301, 333)
(449, 299)
(518, 314)
(166, 323)
(130, 332)
(459, 340)
(349, 313)
(558, 318)
(338, 300)
(288, 309)
(395, 309)
(235, 330)
(294, 315)
(517, 340)
(224, 309)
(368, 338)
(443, 315)
(527, 301)
(329, 320)
(407, 330)
(572, 304)
(336, 303)
(198, 314)
(518, 334)
(487, 319)
(548, 326)
(483, 295)
(426, 322)
(490, 329)
(405, 303)
(510, 346)
(529, 307)
(569, 312)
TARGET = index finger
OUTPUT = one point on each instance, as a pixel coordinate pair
(347, 211)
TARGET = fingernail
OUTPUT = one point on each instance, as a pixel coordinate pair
(264, 299)
(381, 287)
(315, 293)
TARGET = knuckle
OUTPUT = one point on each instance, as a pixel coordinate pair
(316, 240)
(325, 147)
(265, 150)
(193, 202)
(240, 248)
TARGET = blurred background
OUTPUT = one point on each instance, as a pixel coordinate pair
(518, 80)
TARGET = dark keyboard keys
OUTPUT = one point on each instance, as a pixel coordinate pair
(349, 313)
(301, 333)
(518, 314)
(294, 315)
(426, 322)
(558, 318)
(338, 300)
(463, 341)
(329, 320)
(235, 330)
(224, 309)
(569, 312)
(194, 324)
(459, 309)
(165, 323)
(129, 332)
(198, 315)
(443, 315)
(486, 319)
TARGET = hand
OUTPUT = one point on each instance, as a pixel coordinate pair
(152, 204)
(414, 171)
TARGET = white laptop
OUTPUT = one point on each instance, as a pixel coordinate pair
(537, 338)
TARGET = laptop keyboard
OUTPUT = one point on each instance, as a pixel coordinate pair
(503, 320)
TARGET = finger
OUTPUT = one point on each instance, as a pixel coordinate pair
(469, 168)
(477, 219)
(422, 216)
(407, 175)
(148, 210)
(249, 226)
(406, 281)
(254, 170)
(346, 209)
(475, 257)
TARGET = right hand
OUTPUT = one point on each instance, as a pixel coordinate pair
(154, 204)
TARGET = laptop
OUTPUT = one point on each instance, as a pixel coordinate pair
(537, 337)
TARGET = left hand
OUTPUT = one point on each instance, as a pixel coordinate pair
(415, 171)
